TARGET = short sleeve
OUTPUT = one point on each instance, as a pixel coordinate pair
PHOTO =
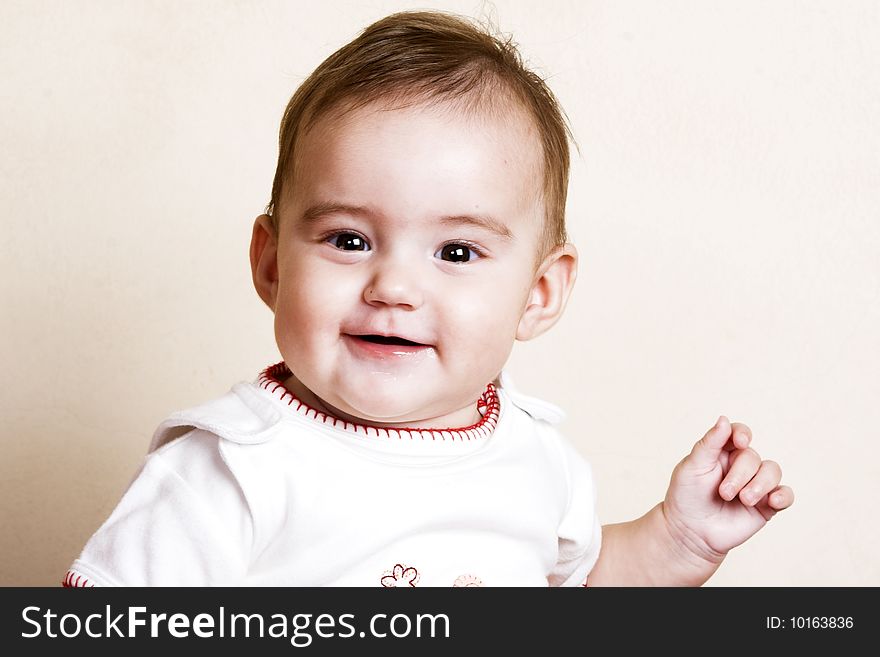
(182, 522)
(579, 531)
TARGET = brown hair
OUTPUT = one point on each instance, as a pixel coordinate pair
(434, 56)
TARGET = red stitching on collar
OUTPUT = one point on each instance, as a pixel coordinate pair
(272, 380)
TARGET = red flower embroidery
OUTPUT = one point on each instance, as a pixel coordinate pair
(463, 581)
(400, 575)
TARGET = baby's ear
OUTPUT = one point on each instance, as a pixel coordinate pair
(264, 262)
(554, 280)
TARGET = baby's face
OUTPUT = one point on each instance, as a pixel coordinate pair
(405, 259)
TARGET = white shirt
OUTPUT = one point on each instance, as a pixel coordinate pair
(257, 489)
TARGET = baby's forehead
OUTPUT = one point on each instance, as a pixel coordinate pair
(421, 154)
(501, 114)
(501, 135)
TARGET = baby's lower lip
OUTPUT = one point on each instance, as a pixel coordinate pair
(364, 347)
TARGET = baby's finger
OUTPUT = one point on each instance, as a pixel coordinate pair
(744, 464)
(765, 480)
(742, 435)
(707, 449)
(779, 498)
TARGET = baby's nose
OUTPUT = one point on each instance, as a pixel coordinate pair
(394, 284)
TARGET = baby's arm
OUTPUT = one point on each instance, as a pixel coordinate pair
(182, 522)
(719, 496)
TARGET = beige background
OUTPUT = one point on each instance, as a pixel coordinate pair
(725, 207)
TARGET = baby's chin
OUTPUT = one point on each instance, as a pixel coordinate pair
(377, 412)
(372, 403)
(403, 411)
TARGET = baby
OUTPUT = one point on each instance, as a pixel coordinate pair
(416, 230)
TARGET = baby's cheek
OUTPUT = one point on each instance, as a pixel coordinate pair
(298, 318)
(486, 335)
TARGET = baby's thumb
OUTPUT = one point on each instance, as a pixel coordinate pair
(707, 449)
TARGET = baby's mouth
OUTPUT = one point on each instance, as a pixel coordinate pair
(389, 340)
(372, 345)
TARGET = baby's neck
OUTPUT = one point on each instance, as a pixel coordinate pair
(460, 418)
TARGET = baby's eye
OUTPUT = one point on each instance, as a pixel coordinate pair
(349, 242)
(457, 252)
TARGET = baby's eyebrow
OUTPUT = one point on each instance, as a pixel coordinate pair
(321, 210)
(484, 221)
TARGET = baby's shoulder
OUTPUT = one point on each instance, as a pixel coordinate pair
(541, 419)
(240, 416)
(537, 409)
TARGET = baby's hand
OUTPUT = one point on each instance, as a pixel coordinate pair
(722, 492)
